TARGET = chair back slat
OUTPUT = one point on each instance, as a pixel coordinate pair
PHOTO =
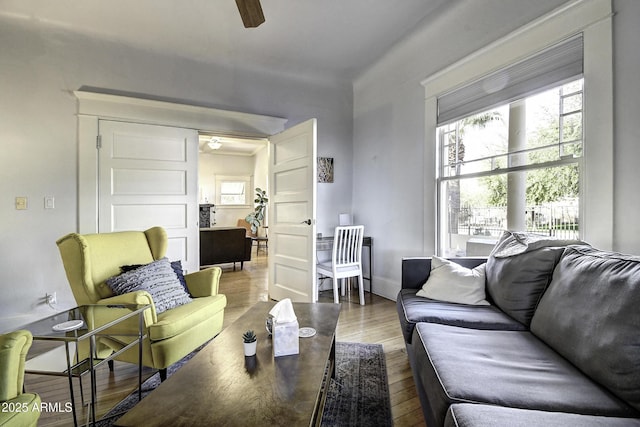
(347, 248)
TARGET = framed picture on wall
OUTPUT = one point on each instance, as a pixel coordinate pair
(325, 169)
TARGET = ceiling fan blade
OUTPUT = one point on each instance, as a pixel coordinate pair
(250, 12)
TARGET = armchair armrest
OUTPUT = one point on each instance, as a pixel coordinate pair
(13, 352)
(205, 282)
(137, 298)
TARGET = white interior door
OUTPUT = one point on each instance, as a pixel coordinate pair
(148, 176)
(292, 213)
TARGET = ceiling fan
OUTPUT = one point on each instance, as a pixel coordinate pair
(250, 12)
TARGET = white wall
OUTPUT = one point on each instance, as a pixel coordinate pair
(626, 63)
(210, 165)
(391, 165)
(39, 69)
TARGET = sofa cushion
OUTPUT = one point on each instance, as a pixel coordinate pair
(590, 314)
(182, 318)
(507, 368)
(518, 276)
(413, 309)
(452, 282)
(158, 278)
(470, 415)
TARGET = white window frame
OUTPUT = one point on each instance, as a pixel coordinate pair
(592, 18)
(248, 193)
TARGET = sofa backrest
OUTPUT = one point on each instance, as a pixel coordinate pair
(222, 245)
(590, 314)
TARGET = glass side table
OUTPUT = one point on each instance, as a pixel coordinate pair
(80, 330)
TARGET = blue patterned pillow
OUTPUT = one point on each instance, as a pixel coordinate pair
(158, 278)
(176, 265)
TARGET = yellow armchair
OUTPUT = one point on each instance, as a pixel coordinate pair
(90, 259)
(18, 408)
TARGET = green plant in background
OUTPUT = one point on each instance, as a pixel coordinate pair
(249, 337)
(256, 217)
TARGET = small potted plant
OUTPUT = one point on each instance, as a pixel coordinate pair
(250, 343)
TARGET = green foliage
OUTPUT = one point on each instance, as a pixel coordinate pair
(256, 217)
(552, 184)
(545, 185)
(249, 336)
(497, 189)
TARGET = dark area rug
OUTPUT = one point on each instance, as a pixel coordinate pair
(358, 396)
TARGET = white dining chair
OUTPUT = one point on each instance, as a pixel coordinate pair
(346, 259)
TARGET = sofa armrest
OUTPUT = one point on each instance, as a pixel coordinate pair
(248, 245)
(416, 270)
(204, 283)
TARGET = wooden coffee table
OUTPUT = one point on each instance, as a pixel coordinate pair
(219, 386)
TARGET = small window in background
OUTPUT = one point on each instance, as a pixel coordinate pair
(233, 193)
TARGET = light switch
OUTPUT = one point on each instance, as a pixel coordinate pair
(49, 202)
(21, 203)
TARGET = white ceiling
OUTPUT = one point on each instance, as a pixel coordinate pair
(332, 39)
(231, 145)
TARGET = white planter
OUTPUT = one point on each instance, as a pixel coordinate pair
(250, 348)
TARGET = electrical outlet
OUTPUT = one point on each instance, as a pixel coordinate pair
(51, 299)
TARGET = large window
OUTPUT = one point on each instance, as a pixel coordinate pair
(515, 166)
(556, 52)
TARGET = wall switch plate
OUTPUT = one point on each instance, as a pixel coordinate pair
(49, 202)
(21, 203)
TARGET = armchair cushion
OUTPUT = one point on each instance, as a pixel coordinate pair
(157, 278)
(180, 319)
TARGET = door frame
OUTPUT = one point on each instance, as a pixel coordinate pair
(95, 106)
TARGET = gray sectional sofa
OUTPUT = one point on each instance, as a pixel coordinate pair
(558, 344)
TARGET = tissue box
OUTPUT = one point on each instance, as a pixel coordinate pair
(285, 338)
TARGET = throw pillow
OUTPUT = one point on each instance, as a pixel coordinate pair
(517, 279)
(452, 282)
(157, 278)
(177, 268)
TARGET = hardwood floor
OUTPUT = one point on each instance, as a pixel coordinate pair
(375, 322)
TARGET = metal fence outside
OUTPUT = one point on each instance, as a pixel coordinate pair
(556, 220)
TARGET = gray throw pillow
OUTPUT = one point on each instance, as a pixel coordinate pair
(158, 278)
(516, 283)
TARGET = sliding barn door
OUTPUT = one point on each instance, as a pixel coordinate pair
(148, 176)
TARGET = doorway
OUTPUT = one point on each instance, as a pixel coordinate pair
(230, 168)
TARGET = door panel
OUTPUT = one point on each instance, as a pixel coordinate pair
(148, 177)
(292, 202)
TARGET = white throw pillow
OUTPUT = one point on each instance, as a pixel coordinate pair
(452, 282)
